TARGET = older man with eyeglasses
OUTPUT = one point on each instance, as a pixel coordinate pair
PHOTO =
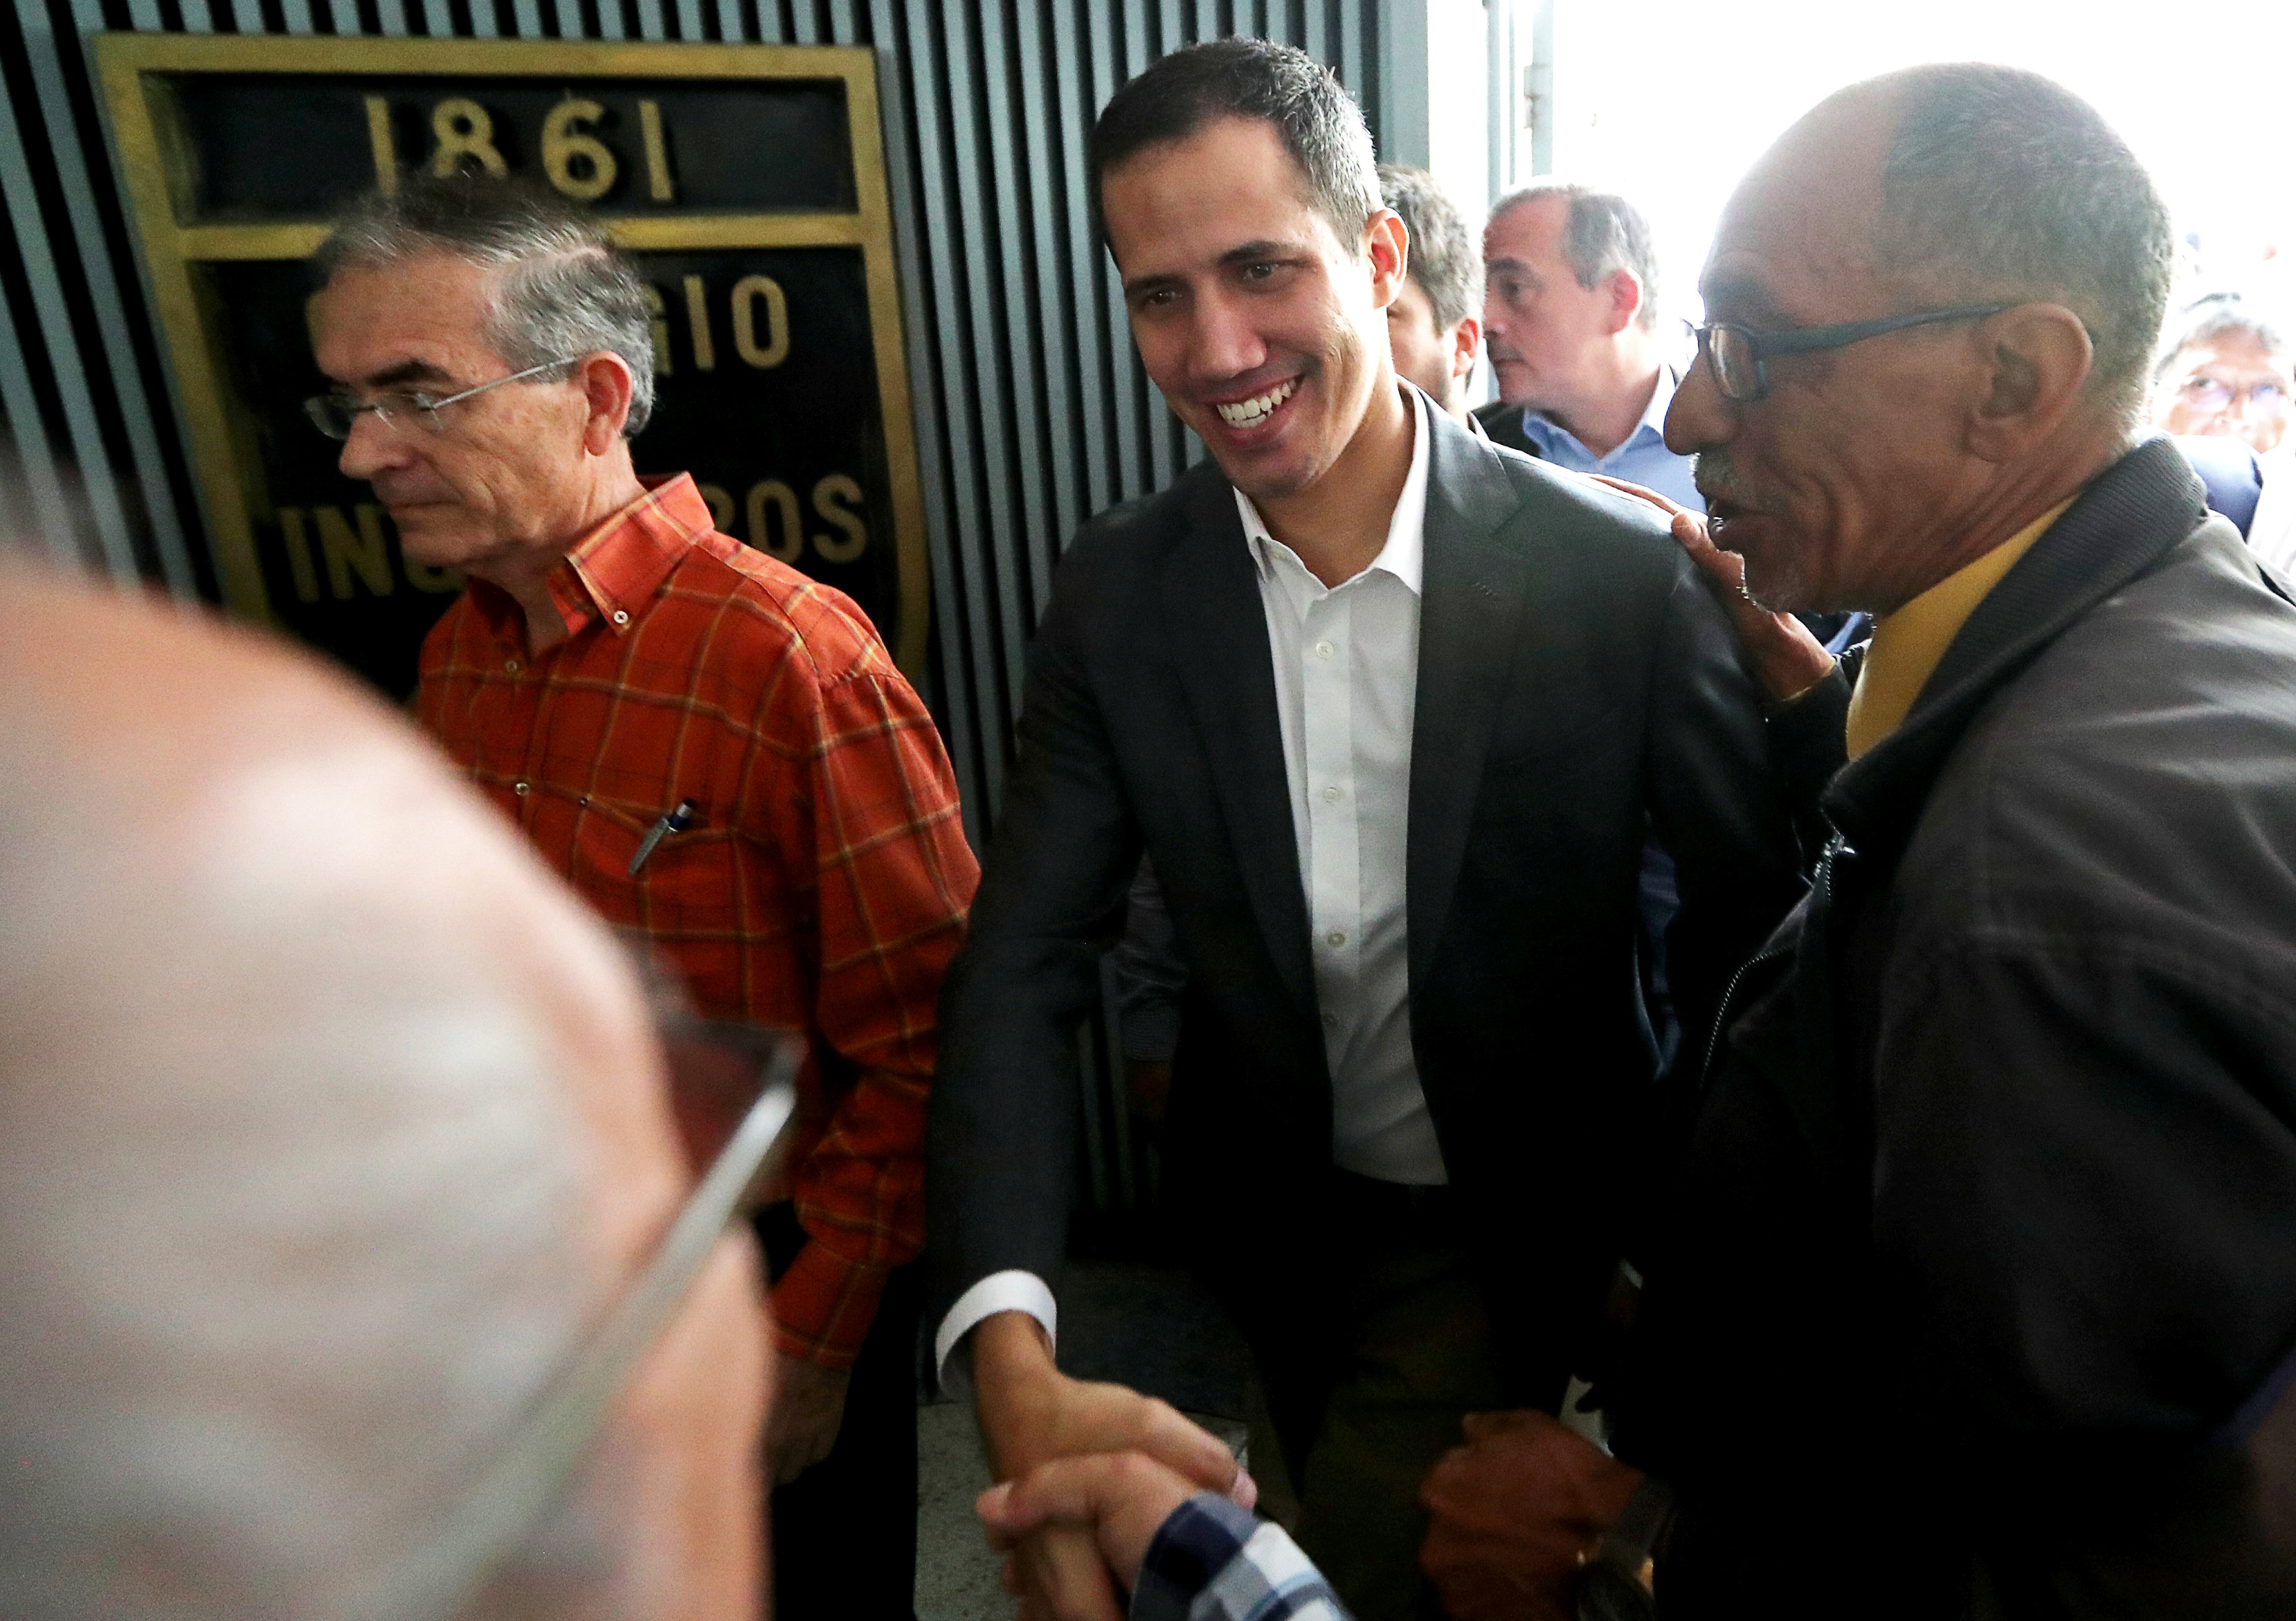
(1978, 1295)
(714, 749)
(352, 1266)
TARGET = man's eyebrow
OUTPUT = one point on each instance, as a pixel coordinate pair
(1252, 253)
(1742, 297)
(405, 372)
(1243, 253)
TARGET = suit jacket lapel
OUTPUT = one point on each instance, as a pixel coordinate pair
(1219, 633)
(1470, 618)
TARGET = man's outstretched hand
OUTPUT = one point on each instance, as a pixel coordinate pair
(1119, 1500)
(1512, 1515)
(1032, 1414)
(1785, 658)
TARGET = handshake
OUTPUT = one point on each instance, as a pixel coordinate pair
(1090, 1473)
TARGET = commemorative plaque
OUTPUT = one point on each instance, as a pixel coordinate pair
(746, 182)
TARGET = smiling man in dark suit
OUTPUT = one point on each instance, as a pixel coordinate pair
(1391, 710)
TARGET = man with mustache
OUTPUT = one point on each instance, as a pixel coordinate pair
(714, 749)
(1977, 1295)
(1391, 710)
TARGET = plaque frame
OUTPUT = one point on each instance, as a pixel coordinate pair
(136, 71)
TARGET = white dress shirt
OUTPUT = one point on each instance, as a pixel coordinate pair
(1347, 676)
(2272, 528)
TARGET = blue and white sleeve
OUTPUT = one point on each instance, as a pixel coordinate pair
(1213, 1561)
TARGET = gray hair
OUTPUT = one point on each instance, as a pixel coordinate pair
(2214, 315)
(563, 287)
(1318, 121)
(2002, 183)
(1445, 259)
(301, 1218)
(1602, 233)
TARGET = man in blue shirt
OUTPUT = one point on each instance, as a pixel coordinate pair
(1571, 320)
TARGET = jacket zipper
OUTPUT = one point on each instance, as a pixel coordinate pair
(1722, 1012)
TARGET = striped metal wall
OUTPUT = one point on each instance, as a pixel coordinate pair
(1032, 410)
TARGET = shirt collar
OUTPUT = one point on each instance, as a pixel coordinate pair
(1405, 554)
(613, 572)
(1650, 427)
(1910, 642)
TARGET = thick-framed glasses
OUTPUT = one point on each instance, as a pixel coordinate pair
(335, 415)
(1735, 354)
(531, 1472)
(2212, 394)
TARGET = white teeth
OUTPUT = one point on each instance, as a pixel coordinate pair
(1250, 411)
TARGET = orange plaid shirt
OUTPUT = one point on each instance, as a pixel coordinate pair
(823, 886)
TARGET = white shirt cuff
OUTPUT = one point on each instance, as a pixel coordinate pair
(999, 1291)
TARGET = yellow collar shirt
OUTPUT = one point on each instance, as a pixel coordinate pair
(1909, 644)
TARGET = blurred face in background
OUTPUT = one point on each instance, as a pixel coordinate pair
(1546, 333)
(1438, 360)
(2230, 386)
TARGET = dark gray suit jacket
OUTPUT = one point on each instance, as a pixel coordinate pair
(1502, 424)
(1578, 685)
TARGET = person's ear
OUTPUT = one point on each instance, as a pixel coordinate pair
(1466, 340)
(1387, 250)
(1625, 290)
(605, 380)
(2034, 359)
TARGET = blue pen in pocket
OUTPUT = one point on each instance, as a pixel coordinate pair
(673, 822)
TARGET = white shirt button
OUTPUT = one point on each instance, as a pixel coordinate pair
(520, 787)
(1325, 650)
(1333, 793)
(620, 617)
(1338, 937)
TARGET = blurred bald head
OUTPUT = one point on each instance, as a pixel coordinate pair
(330, 1124)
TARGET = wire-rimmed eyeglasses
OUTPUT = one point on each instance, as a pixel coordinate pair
(1735, 354)
(2202, 392)
(335, 414)
(531, 1473)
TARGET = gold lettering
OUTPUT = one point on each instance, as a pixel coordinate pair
(464, 130)
(299, 553)
(658, 184)
(827, 494)
(345, 551)
(792, 540)
(721, 507)
(660, 308)
(697, 311)
(562, 143)
(747, 291)
(385, 150)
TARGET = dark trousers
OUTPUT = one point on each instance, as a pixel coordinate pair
(1367, 1373)
(844, 1534)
